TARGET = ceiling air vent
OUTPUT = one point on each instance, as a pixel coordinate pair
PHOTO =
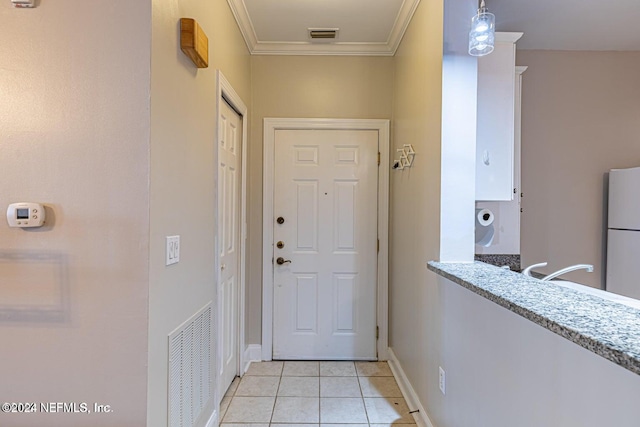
(323, 34)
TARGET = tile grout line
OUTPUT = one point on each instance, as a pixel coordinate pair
(319, 397)
(275, 399)
(319, 394)
(366, 414)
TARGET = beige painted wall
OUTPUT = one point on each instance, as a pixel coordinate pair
(74, 131)
(76, 134)
(415, 198)
(304, 86)
(502, 370)
(183, 181)
(580, 118)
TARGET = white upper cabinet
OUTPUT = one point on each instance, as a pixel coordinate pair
(496, 120)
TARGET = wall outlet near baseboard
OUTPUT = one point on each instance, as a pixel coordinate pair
(441, 380)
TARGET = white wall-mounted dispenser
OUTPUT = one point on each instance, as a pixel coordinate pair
(484, 227)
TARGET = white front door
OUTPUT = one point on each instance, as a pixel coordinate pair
(325, 231)
(229, 186)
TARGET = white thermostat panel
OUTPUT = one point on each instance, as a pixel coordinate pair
(25, 215)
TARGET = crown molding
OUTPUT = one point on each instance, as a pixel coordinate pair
(401, 24)
(256, 47)
(241, 14)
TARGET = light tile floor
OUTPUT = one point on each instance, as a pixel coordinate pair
(314, 394)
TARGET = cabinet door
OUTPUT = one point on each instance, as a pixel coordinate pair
(496, 116)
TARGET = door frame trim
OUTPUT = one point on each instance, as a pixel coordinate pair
(226, 93)
(382, 294)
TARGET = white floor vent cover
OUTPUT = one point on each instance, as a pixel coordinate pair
(190, 381)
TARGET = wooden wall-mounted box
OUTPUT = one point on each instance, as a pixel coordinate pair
(194, 42)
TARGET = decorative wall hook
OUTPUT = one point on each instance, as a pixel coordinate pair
(406, 157)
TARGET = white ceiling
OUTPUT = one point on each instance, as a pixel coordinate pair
(376, 27)
(366, 27)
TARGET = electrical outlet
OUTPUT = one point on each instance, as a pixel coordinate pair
(441, 380)
(173, 249)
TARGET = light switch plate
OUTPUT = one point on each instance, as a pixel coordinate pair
(173, 249)
(23, 3)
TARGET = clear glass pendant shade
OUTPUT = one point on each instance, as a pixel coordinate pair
(482, 34)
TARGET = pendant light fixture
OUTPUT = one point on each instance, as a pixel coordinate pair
(482, 34)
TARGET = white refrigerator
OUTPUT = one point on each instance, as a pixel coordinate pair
(623, 237)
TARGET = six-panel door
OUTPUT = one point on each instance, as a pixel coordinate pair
(229, 181)
(326, 193)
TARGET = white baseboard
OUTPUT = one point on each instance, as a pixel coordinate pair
(421, 417)
(253, 353)
(213, 420)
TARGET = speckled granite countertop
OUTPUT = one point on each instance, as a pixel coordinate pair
(606, 328)
(513, 261)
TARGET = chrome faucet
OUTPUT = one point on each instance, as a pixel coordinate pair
(527, 271)
(560, 272)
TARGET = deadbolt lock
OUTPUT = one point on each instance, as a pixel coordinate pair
(280, 244)
(280, 220)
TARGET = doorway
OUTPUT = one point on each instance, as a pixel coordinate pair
(231, 139)
(325, 239)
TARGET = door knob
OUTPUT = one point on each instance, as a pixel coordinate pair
(280, 220)
(281, 261)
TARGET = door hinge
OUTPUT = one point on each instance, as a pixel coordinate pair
(378, 158)
(377, 332)
(378, 245)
